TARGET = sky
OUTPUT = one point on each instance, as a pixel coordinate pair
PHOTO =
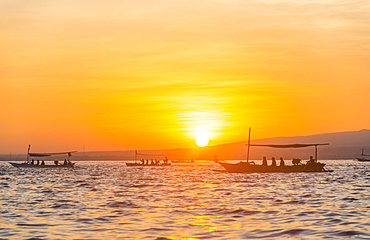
(156, 74)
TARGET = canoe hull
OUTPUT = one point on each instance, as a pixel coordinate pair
(363, 159)
(25, 165)
(244, 167)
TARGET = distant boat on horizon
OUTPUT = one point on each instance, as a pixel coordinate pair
(147, 162)
(364, 157)
(183, 161)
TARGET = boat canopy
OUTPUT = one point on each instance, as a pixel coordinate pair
(288, 145)
(297, 145)
(49, 154)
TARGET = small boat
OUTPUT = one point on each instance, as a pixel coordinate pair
(246, 167)
(182, 161)
(41, 164)
(135, 164)
(364, 157)
(148, 163)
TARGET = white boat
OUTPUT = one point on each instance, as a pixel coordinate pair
(42, 164)
(364, 157)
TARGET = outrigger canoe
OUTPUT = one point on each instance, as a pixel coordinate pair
(311, 165)
(182, 161)
(246, 167)
(41, 164)
(147, 165)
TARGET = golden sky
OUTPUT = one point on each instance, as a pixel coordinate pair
(152, 74)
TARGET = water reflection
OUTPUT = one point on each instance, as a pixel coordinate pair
(110, 200)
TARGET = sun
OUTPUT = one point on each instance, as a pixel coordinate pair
(202, 139)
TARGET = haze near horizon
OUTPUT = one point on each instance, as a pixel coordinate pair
(156, 74)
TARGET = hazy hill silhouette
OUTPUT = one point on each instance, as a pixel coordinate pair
(342, 145)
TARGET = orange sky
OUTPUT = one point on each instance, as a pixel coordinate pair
(122, 75)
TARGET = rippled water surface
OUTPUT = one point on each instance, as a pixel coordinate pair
(107, 200)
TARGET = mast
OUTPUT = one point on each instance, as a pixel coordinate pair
(28, 152)
(249, 143)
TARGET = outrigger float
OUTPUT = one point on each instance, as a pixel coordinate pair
(41, 164)
(247, 167)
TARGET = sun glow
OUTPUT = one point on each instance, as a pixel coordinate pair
(202, 139)
(203, 125)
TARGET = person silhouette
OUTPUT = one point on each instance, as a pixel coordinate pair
(264, 161)
(282, 163)
(273, 163)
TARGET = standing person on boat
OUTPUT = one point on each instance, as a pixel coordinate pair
(282, 163)
(273, 163)
(65, 162)
(32, 162)
(38, 162)
(264, 161)
(42, 162)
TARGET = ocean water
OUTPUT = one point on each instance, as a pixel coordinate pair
(108, 200)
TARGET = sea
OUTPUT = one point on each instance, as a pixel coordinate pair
(108, 200)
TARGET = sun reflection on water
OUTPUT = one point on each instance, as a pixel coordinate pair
(110, 201)
(200, 220)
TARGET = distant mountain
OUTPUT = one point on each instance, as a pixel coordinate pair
(342, 145)
(354, 139)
